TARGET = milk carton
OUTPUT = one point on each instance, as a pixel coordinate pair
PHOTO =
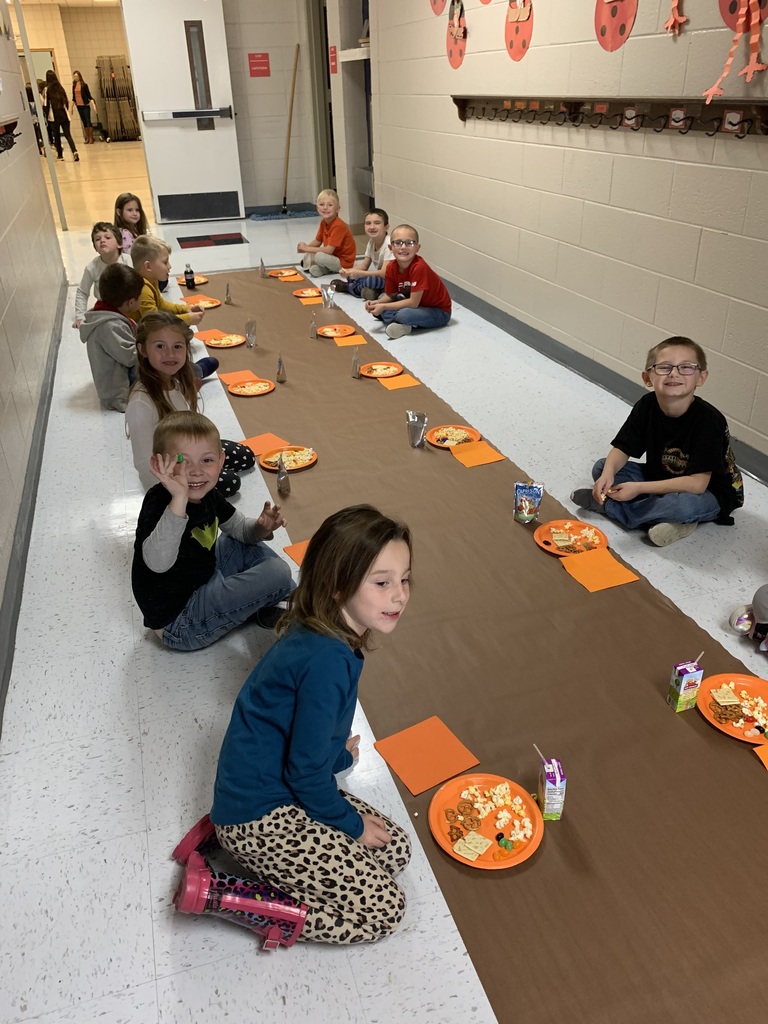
(551, 789)
(684, 685)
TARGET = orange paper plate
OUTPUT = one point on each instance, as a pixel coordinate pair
(307, 293)
(241, 389)
(756, 689)
(199, 279)
(448, 796)
(590, 542)
(284, 272)
(392, 369)
(287, 448)
(434, 435)
(204, 301)
(335, 330)
(225, 341)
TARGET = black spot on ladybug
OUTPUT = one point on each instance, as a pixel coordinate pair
(614, 11)
(733, 7)
(603, 30)
(524, 44)
(511, 43)
(517, 30)
(622, 29)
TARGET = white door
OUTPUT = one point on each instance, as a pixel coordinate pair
(179, 64)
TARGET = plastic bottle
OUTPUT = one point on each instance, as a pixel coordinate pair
(189, 276)
(313, 327)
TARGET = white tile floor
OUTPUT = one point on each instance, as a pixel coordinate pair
(109, 744)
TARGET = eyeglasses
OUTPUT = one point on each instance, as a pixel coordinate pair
(664, 369)
(403, 243)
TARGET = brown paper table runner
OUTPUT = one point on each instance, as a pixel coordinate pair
(647, 901)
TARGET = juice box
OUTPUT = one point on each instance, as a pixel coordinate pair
(684, 685)
(551, 789)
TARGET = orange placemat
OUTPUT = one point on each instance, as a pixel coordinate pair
(405, 380)
(261, 443)
(353, 339)
(212, 335)
(238, 376)
(291, 279)
(762, 753)
(597, 570)
(476, 453)
(297, 551)
(425, 754)
(313, 301)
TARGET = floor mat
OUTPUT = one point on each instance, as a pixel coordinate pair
(276, 212)
(200, 241)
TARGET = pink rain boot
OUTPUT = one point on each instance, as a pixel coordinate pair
(201, 838)
(255, 905)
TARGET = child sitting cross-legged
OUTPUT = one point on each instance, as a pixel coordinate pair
(366, 280)
(106, 241)
(277, 806)
(689, 475)
(334, 245)
(109, 335)
(192, 585)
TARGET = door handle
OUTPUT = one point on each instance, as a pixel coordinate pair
(176, 115)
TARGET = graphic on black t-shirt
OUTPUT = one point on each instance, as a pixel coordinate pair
(675, 461)
(206, 535)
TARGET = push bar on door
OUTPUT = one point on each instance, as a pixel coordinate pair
(174, 115)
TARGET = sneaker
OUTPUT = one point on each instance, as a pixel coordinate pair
(584, 498)
(77, 158)
(316, 271)
(268, 617)
(667, 533)
(398, 330)
(340, 285)
(369, 293)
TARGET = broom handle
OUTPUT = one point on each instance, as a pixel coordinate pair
(290, 123)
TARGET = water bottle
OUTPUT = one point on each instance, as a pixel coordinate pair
(189, 276)
(313, 327)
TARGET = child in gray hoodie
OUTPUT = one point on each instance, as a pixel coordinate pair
(110, 335)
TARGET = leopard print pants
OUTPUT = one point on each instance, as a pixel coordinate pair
(349, 888)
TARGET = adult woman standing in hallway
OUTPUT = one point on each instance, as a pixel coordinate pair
(58, 114)
(81, 97)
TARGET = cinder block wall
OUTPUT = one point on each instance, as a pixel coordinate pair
(607, 241)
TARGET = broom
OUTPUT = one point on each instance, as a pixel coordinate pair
(288, 140)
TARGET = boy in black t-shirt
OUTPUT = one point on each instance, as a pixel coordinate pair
(193, 586)
(690, 474)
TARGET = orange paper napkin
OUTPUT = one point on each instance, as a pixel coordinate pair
(425, 755)
(297, 551)
(476, 453)
(291, 279)
(211, 335)
(405, 380)
(353, 339)
(238, 376)
(312, 301)
(597, 570)
(262, 443)
(762, 753)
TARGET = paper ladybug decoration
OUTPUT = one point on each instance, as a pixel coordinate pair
(613, 22)
(438, 6)
(743, 16)
(456, 37)
(518, 28)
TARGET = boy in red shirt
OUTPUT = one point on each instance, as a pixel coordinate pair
(333, 247)
(414, 294)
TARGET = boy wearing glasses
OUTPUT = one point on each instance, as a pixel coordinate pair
(414, 296)
(689, 475)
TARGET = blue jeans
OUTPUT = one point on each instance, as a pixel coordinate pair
(247, 577)
(356, 285)
(649, 509)
(420, 316)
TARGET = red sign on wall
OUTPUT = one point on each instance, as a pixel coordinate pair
(333, 59)
(258, 65)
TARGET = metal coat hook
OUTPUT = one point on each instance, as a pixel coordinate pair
(637, 122)
(745, 123)
(530, 120)
(578, 119)
(519, 113)
(492, 115)
(688, 122)
(506, 115)
(717, 121)
(548, 114)
(598, 122)
(618, 118)
(469, 112)
(663, 118)
(479, 117)
(563, 115)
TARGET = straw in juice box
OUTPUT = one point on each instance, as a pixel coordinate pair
(551, 794)
(684, 684)
(527, 500)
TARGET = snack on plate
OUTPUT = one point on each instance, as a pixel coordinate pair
(208, 303)
(725, 696)
(226, 341)
(751, 715)
(571, 543)
(251, 387)
(472, 846)
(381, 369)
(451, 436)
(291, 459)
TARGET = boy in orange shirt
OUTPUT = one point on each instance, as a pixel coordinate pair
(333, 247)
